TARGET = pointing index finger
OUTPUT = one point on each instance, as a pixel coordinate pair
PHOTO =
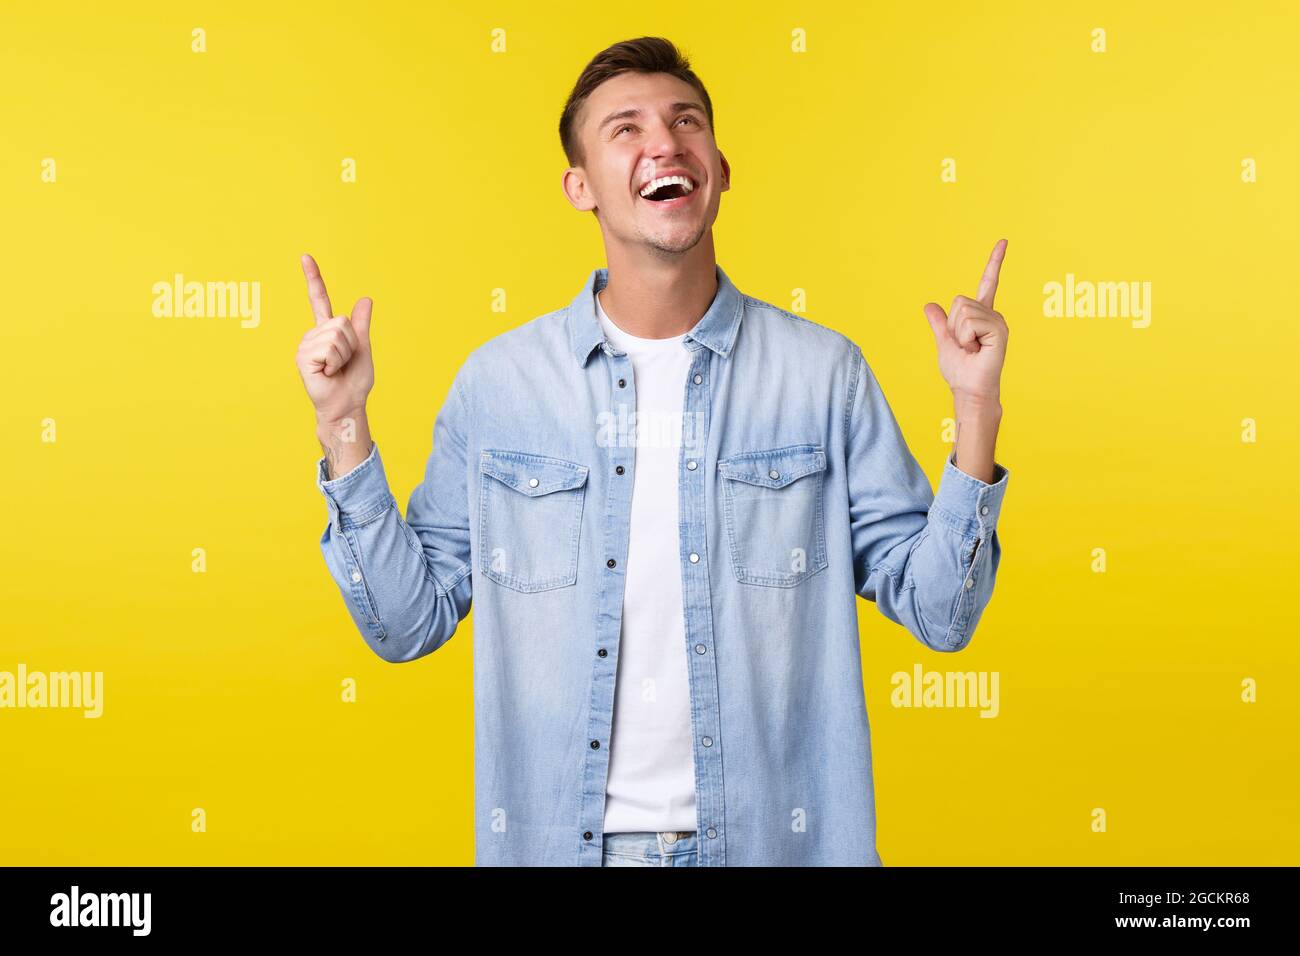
(320, 300)
(989, 281)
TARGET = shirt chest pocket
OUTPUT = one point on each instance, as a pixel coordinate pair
(530, 516)
(772, 509)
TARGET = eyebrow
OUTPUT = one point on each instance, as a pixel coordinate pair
(630, 113)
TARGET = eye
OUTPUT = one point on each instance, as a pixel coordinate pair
(629, 126)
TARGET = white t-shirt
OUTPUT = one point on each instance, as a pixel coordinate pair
(651, 781)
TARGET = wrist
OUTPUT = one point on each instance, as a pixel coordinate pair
(982, 407)
(334, 425)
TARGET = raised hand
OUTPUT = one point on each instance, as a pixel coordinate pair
(334, 355)
(972, 338)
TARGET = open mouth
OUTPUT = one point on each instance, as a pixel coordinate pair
(669, 191)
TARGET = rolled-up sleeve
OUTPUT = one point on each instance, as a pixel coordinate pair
(928, 561)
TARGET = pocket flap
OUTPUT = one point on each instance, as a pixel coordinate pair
(776, 467)
(532, 475)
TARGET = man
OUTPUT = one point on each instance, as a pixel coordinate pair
(664, 500)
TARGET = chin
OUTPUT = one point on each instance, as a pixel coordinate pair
(675, 247)
(675, 241)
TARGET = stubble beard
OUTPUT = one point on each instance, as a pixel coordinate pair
(672, 244)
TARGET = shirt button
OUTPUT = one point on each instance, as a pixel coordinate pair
(586, 834)
(970, 583)
(700, 648)
(356, 575)
(532, 482)
(695, 558)
(984, 510)
(610, 563)
(595, 745)
(774, 474)
(602, 653)
(698, 379)
(690, 465)
(618, 470)
(622, 382)
(707, 741)
(711, 832)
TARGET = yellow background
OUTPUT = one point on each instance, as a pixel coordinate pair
(1119, 690)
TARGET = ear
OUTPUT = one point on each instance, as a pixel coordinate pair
(574, 184)
(726, 172)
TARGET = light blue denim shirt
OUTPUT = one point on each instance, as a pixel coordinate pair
(798, 495)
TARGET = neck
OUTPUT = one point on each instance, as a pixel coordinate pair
(655, 298)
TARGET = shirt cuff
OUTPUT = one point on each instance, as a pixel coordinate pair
(967, 505)
(355, 498)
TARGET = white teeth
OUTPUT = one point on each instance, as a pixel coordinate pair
(654, 184)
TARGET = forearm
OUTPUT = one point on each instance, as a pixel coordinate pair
(977, 433)
(406, 592)
(387, 584)
(916, 550)
(943, 584)
(936, 579)
(345, 442)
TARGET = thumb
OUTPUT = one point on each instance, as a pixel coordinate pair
(938, 321)
(361, 319)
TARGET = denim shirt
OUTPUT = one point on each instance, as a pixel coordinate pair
(797, 496)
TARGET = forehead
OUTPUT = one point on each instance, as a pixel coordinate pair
(645, 91)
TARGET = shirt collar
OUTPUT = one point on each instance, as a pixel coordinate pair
(716, 329)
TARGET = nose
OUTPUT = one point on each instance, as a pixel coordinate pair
(663, 144)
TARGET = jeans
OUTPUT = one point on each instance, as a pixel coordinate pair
(667, 848)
